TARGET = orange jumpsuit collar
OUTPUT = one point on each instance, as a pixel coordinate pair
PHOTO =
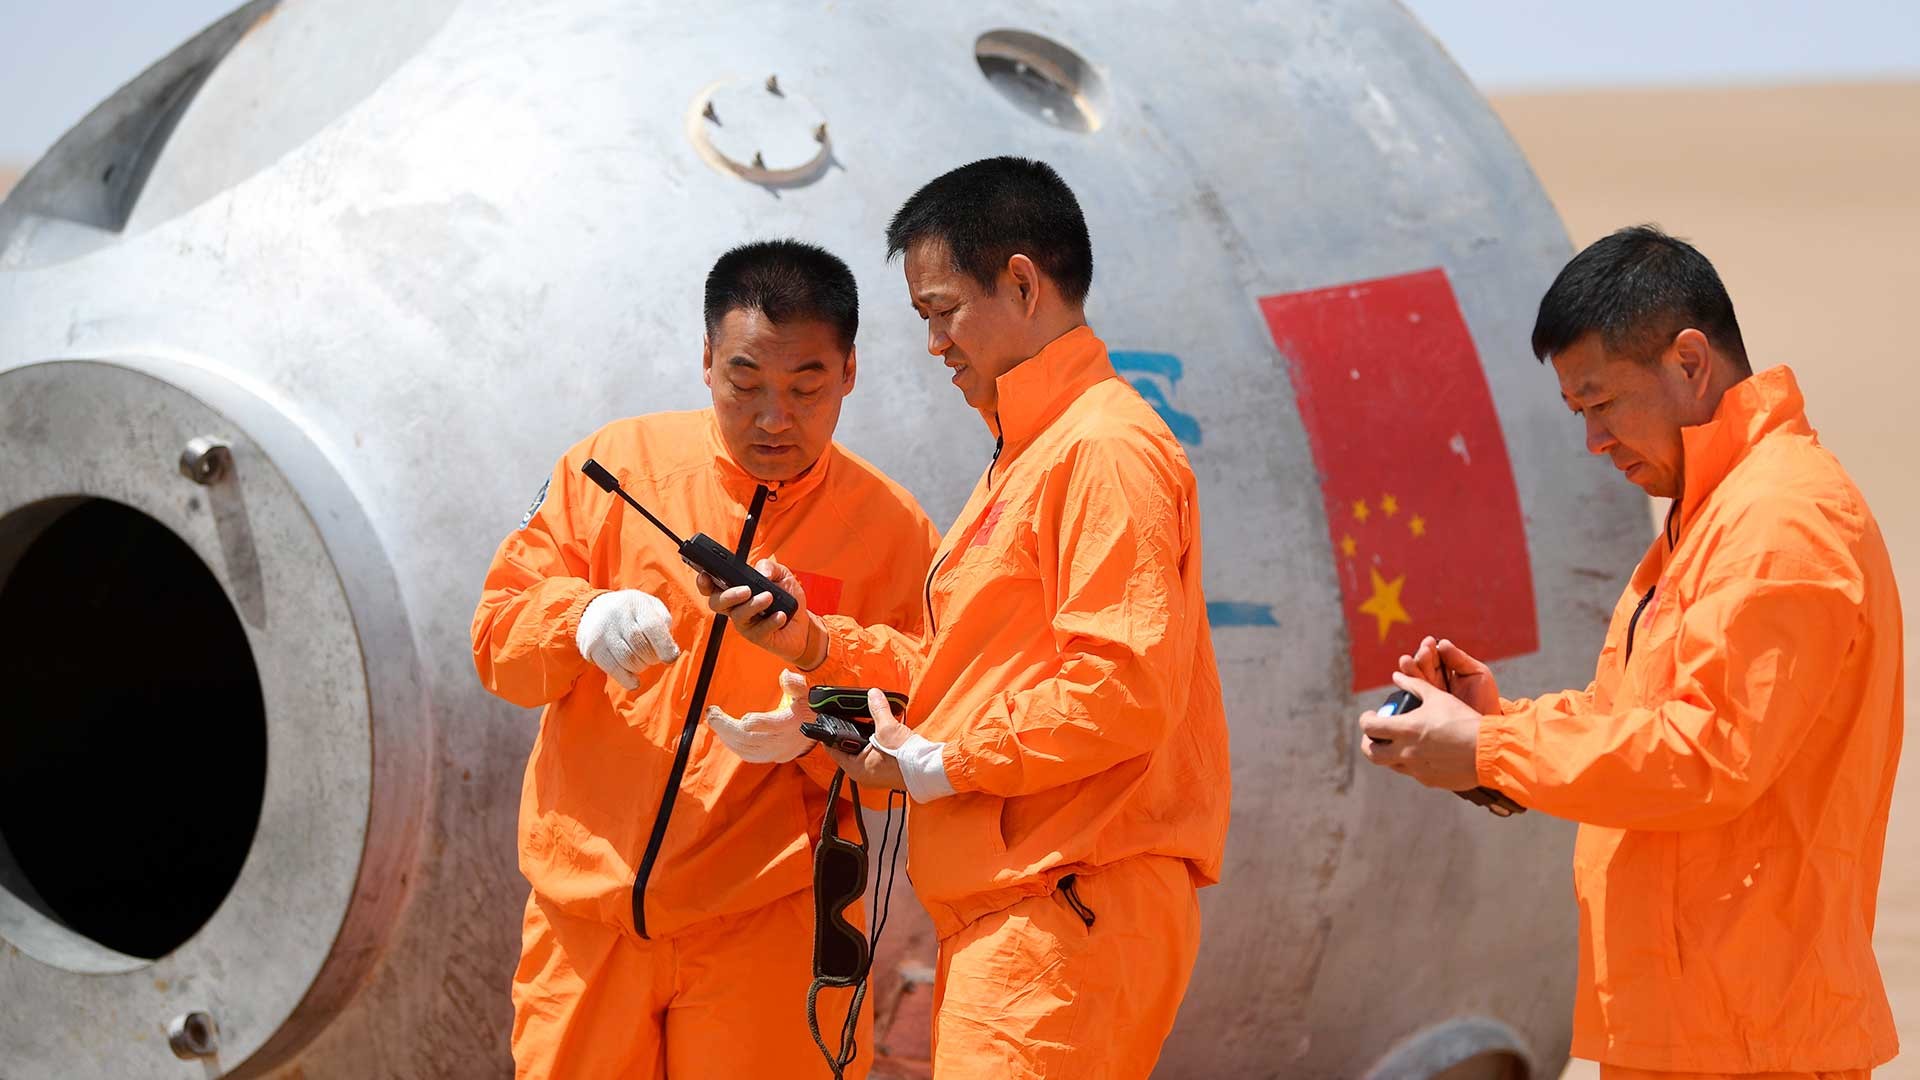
(1040, 389)
(1755, 406)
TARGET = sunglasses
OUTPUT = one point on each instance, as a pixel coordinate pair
(841, 953)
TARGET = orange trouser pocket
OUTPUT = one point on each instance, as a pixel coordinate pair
(1034, 991)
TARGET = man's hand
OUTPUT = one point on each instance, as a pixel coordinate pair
(624, 632)
(1472, 681)
(1435, 744)
(876, 765)
(784, 637)
(768, 737)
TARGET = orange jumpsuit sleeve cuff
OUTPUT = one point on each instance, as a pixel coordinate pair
(566, 628)
(876, 655)
(1499, 749)
(961, 767)
(834, 669)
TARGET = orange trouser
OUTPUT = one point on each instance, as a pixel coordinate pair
(726, 998)
(1033, 991)
(1621, 1073)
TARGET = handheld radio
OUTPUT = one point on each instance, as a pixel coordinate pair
(845, 720)
(1496, 803)
(702, 552)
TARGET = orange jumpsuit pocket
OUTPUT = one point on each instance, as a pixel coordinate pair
(1032, 991)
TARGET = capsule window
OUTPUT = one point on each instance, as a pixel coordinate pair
(1043, 78)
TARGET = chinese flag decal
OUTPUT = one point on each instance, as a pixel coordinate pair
(1421, 509)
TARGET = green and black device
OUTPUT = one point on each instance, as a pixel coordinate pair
(845, 723)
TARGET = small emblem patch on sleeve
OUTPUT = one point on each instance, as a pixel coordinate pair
(527, 518)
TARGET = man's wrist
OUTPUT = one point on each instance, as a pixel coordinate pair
(923, 768)
(813, 652)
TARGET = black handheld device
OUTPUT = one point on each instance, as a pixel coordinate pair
(1400, 701)
(845, 722)
(1405, 701)
(702, 552)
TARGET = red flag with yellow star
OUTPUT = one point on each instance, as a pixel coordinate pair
(1421, 507)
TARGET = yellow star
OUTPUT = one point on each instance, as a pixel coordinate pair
(1389, 505)
(1418, 525)
(1347, 546)
(1384, 604)
(1360, 511)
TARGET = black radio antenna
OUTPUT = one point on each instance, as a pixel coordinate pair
(599, 475)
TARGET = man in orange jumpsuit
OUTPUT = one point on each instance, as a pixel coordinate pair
(1068, 756)
(670, 928)
(1732, 762)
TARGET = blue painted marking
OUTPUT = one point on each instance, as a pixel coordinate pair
(1165, 365)
(1234, 613)
(1185, 426)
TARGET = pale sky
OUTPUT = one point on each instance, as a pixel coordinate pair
(60, 58)
(1547, 44)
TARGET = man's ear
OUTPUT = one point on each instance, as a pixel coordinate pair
(1694, 357)
(1027, 280)
(847, 374)
(706, 360)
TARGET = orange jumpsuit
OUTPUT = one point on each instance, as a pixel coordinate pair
(1732, 766)
(713, 981)
(1070, 674)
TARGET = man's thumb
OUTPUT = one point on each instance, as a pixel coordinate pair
(794, 685)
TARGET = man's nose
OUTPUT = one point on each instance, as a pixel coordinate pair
(774, 418)
(1599, 439)
(937, 340)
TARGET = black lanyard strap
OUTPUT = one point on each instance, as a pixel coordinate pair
(695, 708)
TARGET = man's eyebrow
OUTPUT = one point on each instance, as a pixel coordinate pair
(1585, 389)
(743, 362)
(811, 365)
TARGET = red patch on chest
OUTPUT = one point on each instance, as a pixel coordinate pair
(984, 534)
(823, 592)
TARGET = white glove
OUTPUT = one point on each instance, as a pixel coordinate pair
(623, 632)
(768, 737)
(923, 762)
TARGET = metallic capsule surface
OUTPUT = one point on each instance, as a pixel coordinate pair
(294, 325)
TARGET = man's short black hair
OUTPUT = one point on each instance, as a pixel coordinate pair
(994, 209)
(785, 280)
(1637, 288)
